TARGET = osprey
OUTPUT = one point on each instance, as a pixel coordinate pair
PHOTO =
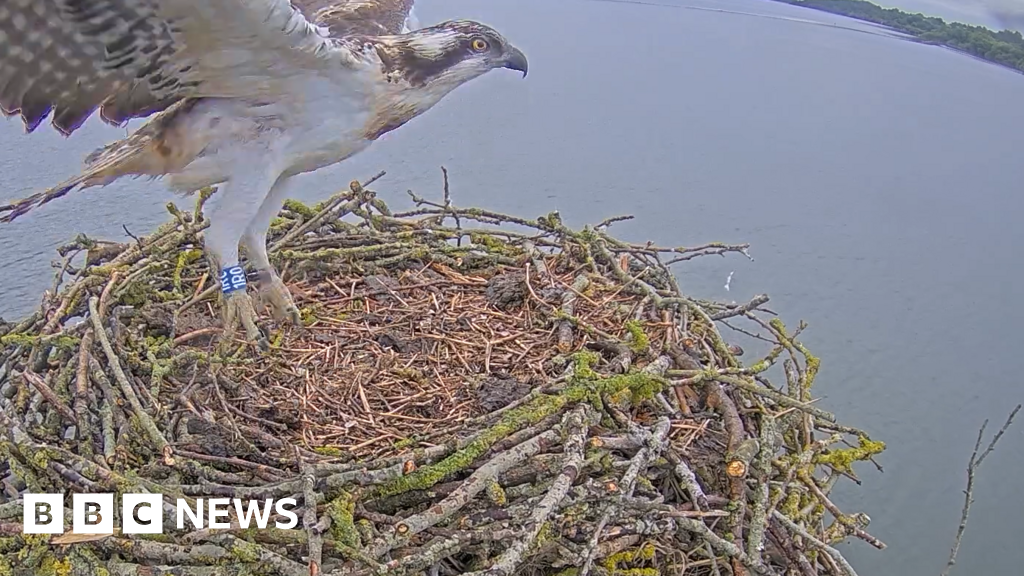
(244, 94)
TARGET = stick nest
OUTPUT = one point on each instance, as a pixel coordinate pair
(470, 392)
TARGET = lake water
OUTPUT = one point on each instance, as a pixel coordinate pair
(877, 180)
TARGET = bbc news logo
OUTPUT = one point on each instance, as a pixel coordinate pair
(144, 513)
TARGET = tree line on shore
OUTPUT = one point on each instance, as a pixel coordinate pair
(1004, 47)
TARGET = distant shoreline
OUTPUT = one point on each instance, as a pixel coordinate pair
(1004, 48)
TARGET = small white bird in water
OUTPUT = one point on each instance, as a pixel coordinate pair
(728, 281)
(246, 94)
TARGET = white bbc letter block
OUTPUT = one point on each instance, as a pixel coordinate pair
(142, 514)
(43, 513)
(92, 513)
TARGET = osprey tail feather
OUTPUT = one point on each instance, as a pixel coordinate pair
(153, 150)
(106, 168)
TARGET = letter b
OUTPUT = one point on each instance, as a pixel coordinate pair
(92, 513)
(43, 513)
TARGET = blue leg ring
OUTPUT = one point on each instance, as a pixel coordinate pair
(232, 279)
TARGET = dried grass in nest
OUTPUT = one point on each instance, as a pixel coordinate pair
(470, 392)
(427, 352)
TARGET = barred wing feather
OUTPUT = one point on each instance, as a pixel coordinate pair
(131, 58)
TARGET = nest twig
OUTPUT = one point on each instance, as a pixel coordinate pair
(502, 396)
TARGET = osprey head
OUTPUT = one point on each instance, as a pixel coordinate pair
(446, 55)
(423, 66)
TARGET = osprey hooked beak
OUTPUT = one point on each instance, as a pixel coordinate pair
(515, 60)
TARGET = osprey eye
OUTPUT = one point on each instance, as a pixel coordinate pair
(479, 44)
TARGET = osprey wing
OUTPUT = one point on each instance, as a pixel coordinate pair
(360, 17)
(131, 58)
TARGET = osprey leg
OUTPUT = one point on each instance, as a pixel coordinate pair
(270, 287)
(234, 208)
